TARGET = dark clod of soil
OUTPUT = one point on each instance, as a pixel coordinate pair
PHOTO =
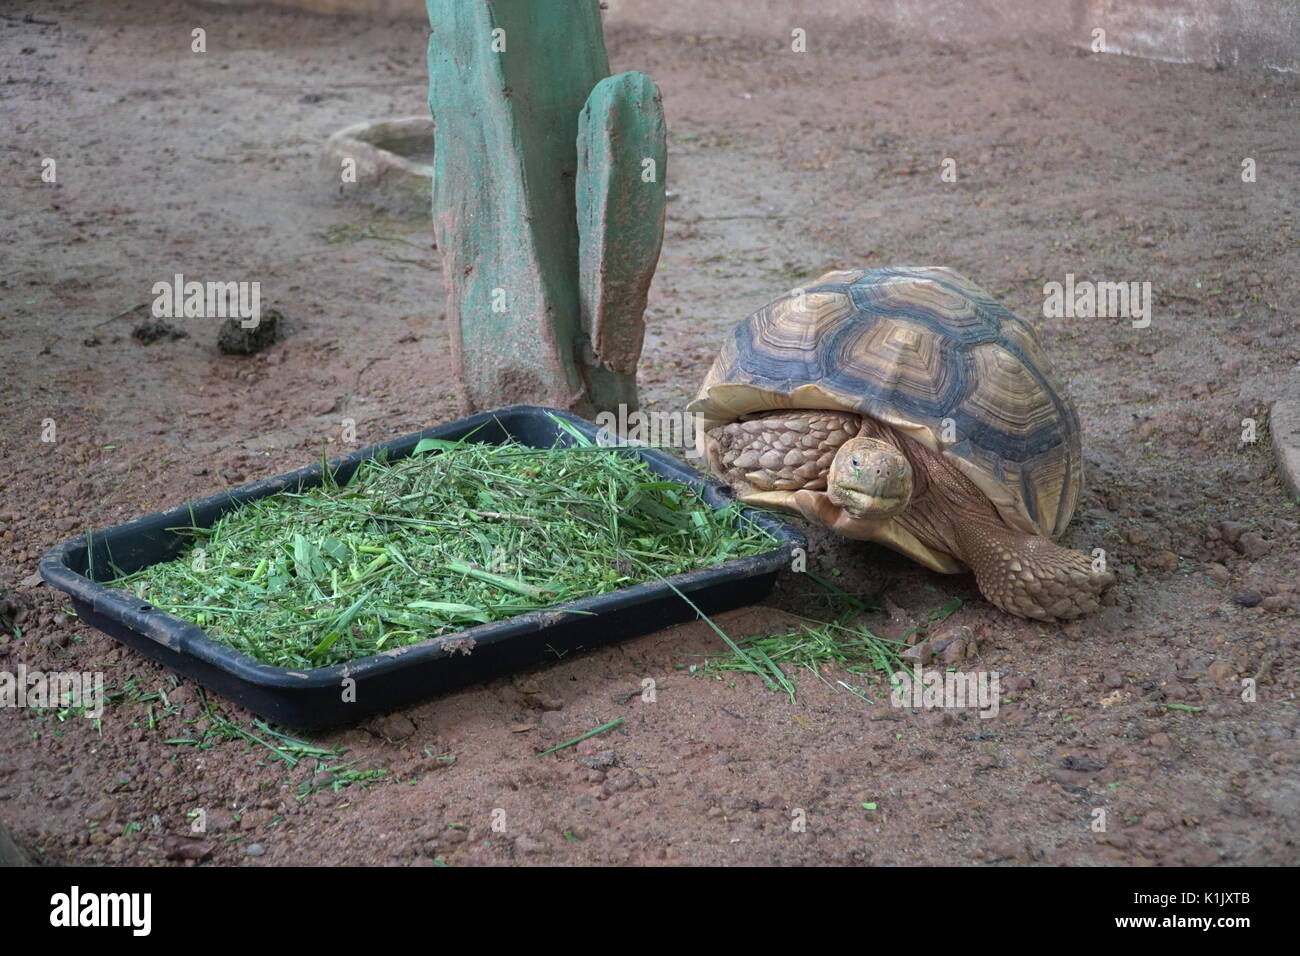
(10, 853)
(234, 339)
(151, 330)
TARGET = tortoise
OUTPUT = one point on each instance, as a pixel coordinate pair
(905, 406)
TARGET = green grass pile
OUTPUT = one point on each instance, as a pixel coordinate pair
(846, 644)
(434, 543)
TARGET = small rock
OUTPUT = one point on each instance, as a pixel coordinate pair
(101, 811)
(1219, 671)
(1278, 602)
(1252, 545)
(1163, 561)
(953, 644)
(1001, 850)
(186, 848)
(620, 782)
(254, 849)
(1231, 531)
(954, 653)
(1146, 242)
(1217, 572)
(218, 821)
(527, 845)
(1113, 679)
(429, 832)
(600, 761)
(1156, 821)
(394, 727)
(921, 653)
(1248, 598)
(1085, 765)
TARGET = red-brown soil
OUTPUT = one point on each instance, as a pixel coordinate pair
(782, 165)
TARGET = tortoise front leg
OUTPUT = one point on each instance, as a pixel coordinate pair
(1029, 575)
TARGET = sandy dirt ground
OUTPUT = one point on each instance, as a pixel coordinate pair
(782, 165)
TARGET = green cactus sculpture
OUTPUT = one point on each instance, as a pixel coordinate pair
(548, 202)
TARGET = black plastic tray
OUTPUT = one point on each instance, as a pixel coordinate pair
(391, 679)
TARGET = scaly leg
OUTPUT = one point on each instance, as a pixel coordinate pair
(1029, 575)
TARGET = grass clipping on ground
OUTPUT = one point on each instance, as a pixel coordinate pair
(458, 534)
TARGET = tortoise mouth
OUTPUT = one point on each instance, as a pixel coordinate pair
(861, 504)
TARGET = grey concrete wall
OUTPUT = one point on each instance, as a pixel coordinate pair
(1248, 33)
(1245, 33)
(1230, 33)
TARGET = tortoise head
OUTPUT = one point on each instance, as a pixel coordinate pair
(869, 478)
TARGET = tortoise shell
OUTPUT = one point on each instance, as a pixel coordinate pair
(928, 352)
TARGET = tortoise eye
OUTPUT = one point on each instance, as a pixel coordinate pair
(854, 463)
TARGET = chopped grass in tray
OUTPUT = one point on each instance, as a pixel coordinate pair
(435, 543)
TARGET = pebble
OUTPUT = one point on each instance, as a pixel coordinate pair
(527, 845)
(1001, 850)
(956, 651)
(599, 761)
(429, 832)
(1252, 545)
(1163, 561)
(1231, 531)
(1248, 598)
(394, 727)
(1217, 572)
(254, 849)
(1156, 821)
(1219, 671)
(921, 653)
